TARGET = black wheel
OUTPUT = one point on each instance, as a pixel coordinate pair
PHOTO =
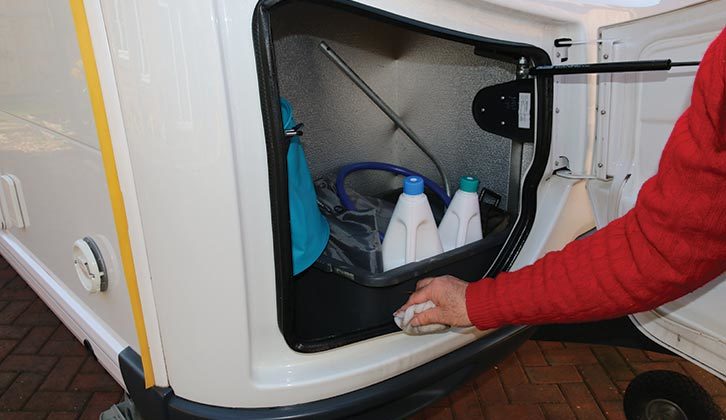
(667, 395)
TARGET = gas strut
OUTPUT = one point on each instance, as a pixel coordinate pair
(615, 67)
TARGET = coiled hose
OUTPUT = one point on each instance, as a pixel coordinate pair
(387, 167)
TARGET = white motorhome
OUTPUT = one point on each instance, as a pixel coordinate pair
(145, 192)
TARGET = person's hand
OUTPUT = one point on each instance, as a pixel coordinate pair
(448, 294)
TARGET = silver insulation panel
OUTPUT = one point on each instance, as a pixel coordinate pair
(430, 82)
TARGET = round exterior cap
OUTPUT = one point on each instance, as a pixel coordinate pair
(89, 265)
(413, 185)
(468, 184)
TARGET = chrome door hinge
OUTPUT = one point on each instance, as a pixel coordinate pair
(602, 125)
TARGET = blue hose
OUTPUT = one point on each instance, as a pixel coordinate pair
(380, 166)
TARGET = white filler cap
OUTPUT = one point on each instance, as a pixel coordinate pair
(89, 265)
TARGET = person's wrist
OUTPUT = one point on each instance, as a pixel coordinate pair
(481, 309)
(466, 305)
(467, 301)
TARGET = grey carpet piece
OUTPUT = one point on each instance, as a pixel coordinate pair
(429, 82)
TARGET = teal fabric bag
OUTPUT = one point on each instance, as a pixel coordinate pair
(308, 227)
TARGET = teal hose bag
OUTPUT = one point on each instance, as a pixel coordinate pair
(308, 227)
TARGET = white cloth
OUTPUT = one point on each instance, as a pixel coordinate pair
(404, 320)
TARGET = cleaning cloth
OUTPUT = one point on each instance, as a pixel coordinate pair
(404, 320)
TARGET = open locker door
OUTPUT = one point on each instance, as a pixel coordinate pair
(636, 113)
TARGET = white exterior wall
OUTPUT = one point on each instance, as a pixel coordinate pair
(48, 141)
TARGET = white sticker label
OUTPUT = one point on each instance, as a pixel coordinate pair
(524, 109)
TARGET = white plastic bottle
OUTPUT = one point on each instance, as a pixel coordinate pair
(412, 234)
(461, 224)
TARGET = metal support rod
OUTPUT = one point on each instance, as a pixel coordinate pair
(614, 67)
(353, 76)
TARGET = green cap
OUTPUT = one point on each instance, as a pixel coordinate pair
(468, 184)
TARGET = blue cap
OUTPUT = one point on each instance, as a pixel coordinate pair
(413, 185)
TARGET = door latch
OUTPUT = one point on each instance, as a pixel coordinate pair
(562, 46)
(562, 169)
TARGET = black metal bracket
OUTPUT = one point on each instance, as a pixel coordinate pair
(507, 109)
(614, 67)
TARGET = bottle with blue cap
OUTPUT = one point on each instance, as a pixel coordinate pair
(412, 234)
(461, 224)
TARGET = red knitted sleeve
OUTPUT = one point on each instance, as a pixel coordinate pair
(672, 242)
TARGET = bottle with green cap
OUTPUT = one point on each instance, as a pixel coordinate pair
(461, 224)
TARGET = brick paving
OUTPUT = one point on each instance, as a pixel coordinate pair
(553, 380)
(45, 373)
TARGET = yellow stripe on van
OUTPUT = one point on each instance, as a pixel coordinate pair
(114, 188)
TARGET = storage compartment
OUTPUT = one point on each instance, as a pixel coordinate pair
(430, 78)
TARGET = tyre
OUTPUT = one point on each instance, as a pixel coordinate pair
(667, 395)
